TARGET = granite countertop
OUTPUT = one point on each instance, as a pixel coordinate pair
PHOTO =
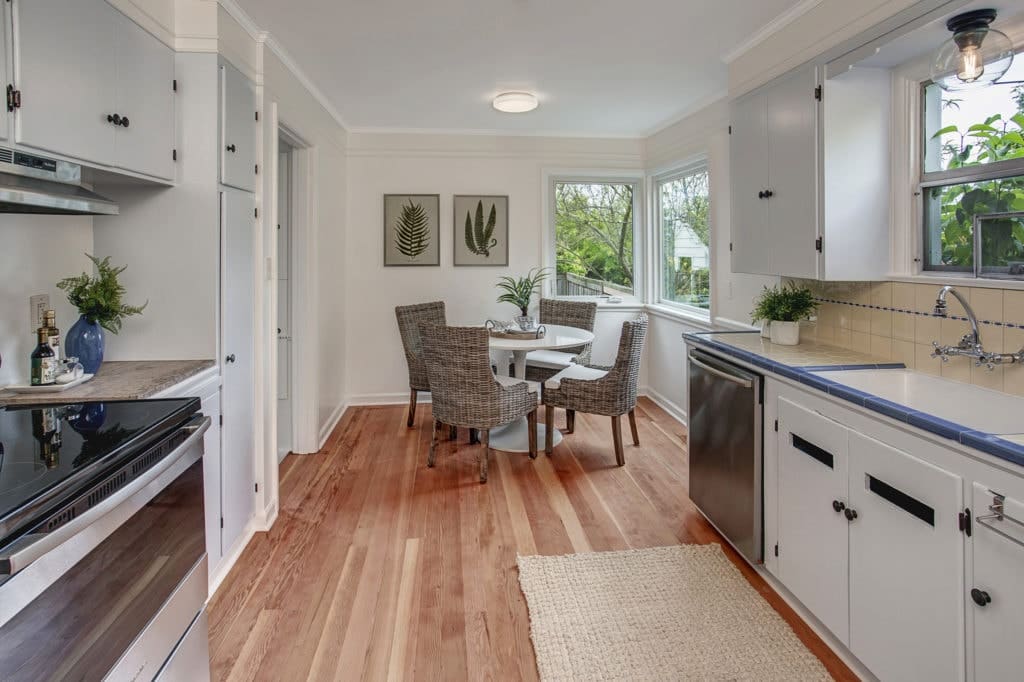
(819, 366)
(125, 380)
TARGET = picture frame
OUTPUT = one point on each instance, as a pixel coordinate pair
(412, 230)
(480, 233)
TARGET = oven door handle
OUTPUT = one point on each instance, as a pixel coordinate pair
(27, 549)
(745, 383)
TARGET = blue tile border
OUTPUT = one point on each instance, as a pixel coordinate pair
(808, 376)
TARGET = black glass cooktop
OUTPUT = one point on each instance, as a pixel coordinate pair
(52, 451)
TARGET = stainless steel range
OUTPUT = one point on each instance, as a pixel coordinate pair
(102, 543)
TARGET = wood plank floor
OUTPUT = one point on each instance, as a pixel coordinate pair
(381, 569)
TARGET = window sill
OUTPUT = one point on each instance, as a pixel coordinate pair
(963, 280)
(680, 315)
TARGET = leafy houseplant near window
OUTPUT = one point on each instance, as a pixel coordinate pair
(99, 304)
(519, 292)
(783, 308)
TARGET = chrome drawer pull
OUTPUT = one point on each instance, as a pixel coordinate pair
(998, 514)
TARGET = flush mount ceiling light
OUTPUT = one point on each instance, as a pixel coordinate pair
(977, 56)
(515, 102)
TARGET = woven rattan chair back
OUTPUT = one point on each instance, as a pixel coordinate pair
(409, 318)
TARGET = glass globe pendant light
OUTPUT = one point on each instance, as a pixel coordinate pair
(977, 56)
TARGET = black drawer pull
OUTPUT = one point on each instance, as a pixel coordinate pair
(808, 448)
(912, 506)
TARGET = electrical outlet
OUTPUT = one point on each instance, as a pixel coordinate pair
(39, 304)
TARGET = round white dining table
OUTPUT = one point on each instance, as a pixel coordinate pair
(514, 437)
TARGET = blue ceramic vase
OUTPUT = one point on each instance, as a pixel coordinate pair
(85, 341)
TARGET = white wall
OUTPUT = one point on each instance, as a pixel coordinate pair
(37, 252)
(447, 165)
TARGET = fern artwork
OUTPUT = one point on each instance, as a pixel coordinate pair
(411, 229)
(481, 230)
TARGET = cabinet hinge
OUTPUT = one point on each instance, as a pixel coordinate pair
(817, 92)
(256, 213)
(222, 420)
(257, 487)
(730, 130)
(776, 549)
(257, 115)
(730, 246)
(174, 85)
(174, 154)
(818, 244)
(964, 522)
(776, 425)
(257, 169)
(222, 522)
(13, 98)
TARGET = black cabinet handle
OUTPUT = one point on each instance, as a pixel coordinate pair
(768, 194)
(230, 148)
(980, 597)
(838, 506)
(760, 195)
(851, 514)
(114, 118)
(230, 358)
(124, 121)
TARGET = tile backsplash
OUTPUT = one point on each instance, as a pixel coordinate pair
(894, 320)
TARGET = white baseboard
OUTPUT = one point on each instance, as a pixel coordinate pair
(229, 560)
(332, 421)
(677, 412)
(385, 399)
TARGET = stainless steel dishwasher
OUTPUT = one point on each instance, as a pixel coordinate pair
(725, 420)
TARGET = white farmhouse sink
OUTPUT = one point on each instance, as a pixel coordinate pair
(978, 409)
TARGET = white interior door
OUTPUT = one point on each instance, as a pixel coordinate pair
(284, 304)
(748, 171)
(793, 174)
(237, 318)
(813, 529)
(54, 39)
(999, 578)
(238, 129)
(145, 96)
(906, 565)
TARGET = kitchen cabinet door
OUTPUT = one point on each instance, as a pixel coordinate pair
(212, 482)
(145, 97)
(812, 528)
(238, 283)
(65, 70)
(906, 565)
(999, 577)
(238, 130)
(5, 65)
(792, 113)
(748, 154)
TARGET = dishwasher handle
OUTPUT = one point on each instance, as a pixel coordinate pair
(745, 383)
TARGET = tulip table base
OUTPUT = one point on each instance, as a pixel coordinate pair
(514, 437)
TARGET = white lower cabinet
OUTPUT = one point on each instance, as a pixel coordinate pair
(995, 593)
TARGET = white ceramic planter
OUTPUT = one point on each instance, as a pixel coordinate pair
(785, 333)
(766, 327)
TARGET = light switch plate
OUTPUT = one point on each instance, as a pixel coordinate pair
(39, 304)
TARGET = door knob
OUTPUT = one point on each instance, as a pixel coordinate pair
(851, 514)
(838, 506)
(980, 597)
(124, 121)
(230, 148)
(768, 194)
(760, 195)
(114, 118)
(230, 358)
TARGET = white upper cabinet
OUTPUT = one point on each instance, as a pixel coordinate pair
(145, 97)
(809, 176)
(237, 129)
(94, 86)
(5, 68)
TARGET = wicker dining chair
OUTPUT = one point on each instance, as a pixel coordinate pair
(464, 391)
(544, 364)
(607, 391)
(409, 317)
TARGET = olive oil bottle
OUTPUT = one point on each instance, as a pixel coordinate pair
(44, 362)
(50, 322)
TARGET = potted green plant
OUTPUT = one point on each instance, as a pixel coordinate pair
(519, 292)
(98, 299)
(783, 308)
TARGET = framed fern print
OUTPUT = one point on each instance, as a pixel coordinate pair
(412, 229)
(481, 230)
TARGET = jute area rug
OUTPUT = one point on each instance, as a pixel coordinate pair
(667, 613)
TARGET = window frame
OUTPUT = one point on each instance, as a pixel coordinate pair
(595, 176)
(688, 167)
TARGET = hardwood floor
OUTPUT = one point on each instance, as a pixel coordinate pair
(380, 568)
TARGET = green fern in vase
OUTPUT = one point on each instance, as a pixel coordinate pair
(520, 291)
(412, 231)
(479, 237)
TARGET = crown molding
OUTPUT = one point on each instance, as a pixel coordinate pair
(692, 109)
(770, 29)
(494, 132)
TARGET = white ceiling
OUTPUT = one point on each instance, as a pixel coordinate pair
(599, 67)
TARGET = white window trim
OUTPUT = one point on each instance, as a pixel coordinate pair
(634, 177)
(907, 201)
(655, 180)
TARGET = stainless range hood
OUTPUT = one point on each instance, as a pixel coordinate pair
(36, 184)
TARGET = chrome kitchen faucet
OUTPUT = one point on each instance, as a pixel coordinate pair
(970, 345)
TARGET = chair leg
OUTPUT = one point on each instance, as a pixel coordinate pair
(632, 427)
(474, 436)
(570, 421)
(531, 425)
(453, 433)
(485, 454)
(549, 428)
(620, 458)
(412, 408)
(433, 443)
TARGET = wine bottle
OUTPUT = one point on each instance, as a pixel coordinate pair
(44, 363)
(50, 322)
